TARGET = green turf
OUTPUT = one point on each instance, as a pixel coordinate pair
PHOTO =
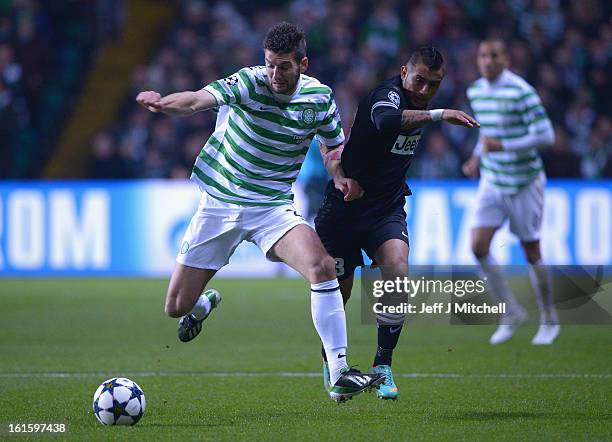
(102, 328)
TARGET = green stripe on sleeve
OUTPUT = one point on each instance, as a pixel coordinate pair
(236, 91)
(217, 87)
(538, 119)
(332, 133)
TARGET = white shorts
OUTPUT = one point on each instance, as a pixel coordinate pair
(524, 209)
(217, 228)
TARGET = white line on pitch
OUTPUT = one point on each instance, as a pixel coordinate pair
(136, 374)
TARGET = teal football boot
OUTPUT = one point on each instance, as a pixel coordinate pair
(388, 389)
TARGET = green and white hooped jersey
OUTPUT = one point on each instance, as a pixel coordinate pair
(510, 110)
(261, 138)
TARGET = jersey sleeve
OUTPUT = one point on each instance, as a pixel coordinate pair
(540, 131)
(233, 89)
(330, 131)
(385, 112)
(383, 99)
(533, 113)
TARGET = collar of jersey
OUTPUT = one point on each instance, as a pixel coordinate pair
(499, 80)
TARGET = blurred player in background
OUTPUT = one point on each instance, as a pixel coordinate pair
(383, 139)
(267, 118)
(514, 125)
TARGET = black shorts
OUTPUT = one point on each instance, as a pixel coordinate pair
(345, 233)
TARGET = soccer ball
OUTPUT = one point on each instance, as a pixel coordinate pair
(119, 401)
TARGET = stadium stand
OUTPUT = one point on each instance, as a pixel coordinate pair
(563, 48)
(44, 49)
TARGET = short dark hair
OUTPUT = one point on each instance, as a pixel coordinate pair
(429, 56)
(285, 38)
(501, 41)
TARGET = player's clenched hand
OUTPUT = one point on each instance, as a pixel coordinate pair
(459, 118)
(349, 187)
(470, 167)
(150, 99)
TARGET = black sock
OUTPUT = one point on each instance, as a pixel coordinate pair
(388, 335)
(383, 357)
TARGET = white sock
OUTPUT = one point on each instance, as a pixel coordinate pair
(498, 286)
(330, 321)
(541, 281)
(202, 307)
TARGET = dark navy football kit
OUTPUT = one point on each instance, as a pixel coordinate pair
(377, 155)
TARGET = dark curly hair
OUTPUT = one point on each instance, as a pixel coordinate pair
(429, 56)
(286, 38)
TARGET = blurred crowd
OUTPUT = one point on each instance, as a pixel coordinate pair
(563, 48)
(45, 47)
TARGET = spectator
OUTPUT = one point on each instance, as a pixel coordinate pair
(105, 162)
(559, 160)
(599, 151)
(438, 161)
(562, 48)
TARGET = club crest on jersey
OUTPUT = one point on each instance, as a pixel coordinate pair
(394, 97)
(308, 116)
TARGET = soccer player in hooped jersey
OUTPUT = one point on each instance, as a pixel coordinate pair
(267, 118)
(383, 139)
(514, 127)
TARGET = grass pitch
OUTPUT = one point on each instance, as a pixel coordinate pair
(59, 339)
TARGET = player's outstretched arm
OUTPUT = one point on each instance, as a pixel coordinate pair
(416, 118)
(535, 138)
(387, 119)
(180, 103)
(459, 118)
(349, 187)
